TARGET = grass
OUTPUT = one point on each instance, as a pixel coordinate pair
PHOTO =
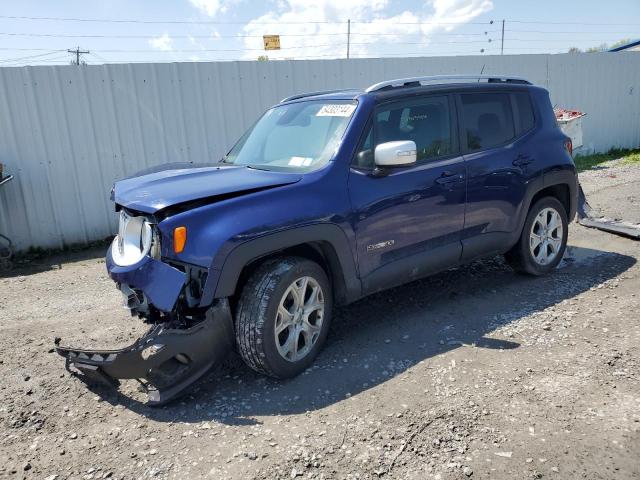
(585, 162)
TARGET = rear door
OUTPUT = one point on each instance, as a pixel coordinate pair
(496, 127)
(408, 221)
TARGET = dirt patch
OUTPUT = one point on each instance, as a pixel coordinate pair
(474, 373)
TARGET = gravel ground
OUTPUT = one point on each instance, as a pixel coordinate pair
(476, 372)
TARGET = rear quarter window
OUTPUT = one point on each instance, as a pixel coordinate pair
(524, 112)
(488, 119)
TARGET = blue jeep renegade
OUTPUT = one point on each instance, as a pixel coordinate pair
(328, 197)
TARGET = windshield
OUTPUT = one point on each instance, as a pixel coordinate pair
(299, 136)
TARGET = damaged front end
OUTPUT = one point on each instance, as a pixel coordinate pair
(165, 360)
(184, 340)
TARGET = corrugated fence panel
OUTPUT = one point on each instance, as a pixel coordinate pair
(67, 133)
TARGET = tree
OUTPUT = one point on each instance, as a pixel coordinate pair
(263, 58)
(603, 47)
(619, 43)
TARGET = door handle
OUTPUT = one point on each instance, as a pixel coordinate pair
(522, 160)
(449, 177)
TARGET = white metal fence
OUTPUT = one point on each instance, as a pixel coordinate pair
(67, 132)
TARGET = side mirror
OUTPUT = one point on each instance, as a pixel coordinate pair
(365, 158)
(401, 153)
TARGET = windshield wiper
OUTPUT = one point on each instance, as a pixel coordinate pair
(253, 167)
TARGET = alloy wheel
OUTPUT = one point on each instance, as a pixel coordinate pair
(299, 319)
(545, 239)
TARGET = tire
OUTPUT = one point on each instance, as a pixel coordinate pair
(278, 283)
(525, 256)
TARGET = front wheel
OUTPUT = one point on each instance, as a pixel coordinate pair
(283, 316)
(543, 239)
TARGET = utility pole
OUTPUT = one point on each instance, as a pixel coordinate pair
(77, 53)
(348, 36)
(502, 42)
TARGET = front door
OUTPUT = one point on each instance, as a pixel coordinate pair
(408, 221)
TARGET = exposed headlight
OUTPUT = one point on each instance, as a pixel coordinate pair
(134, 240)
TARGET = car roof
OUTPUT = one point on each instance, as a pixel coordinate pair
(387, 90)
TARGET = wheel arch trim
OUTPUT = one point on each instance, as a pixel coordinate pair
(564, 178)
(340, 257)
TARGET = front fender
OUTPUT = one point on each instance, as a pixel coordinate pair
(223, 283)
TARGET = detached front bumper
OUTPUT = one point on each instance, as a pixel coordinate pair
(161, 283)
(165, 360)
(173, 353)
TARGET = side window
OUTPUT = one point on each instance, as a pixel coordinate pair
(426, 121)
(524, 110)
(488, 119)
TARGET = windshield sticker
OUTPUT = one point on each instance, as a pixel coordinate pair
(336, 110)
(300, 161)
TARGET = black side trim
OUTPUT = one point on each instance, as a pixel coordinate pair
(535, 185)
(485, 245)
(548, 179)
(411, 268)
(564, 176)
(249, 251)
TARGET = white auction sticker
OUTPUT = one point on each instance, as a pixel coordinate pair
(336, 110)
(300, 161)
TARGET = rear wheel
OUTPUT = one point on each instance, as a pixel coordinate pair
(543, 239)
(283, 316)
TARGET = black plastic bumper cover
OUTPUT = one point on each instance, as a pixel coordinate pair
(165, 361)
(611, 225)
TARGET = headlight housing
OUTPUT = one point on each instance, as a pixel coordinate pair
(134, 240)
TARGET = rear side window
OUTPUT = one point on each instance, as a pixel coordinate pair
(488, 119)
(524, 112)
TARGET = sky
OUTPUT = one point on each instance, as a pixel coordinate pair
(39, 32)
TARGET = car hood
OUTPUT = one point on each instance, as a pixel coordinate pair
(179, 184)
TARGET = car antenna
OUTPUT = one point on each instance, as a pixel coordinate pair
(481, 71)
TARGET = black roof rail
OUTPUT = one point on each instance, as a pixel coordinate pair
(313, 94)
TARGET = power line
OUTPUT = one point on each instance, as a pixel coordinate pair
(300, 47)
(332, 56)
(152, 22)
(211, 22)
(317, 22)
(63, 59)
(211, 37)
(425, 43)
(338, 44)
(567, 32)
(573, 23)
(51, 52)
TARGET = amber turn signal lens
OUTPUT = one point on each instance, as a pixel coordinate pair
(179, 239)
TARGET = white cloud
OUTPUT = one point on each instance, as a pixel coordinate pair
(209, 7)
(293, 19)
(458, 12)
(163, 42)
(195, 42)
